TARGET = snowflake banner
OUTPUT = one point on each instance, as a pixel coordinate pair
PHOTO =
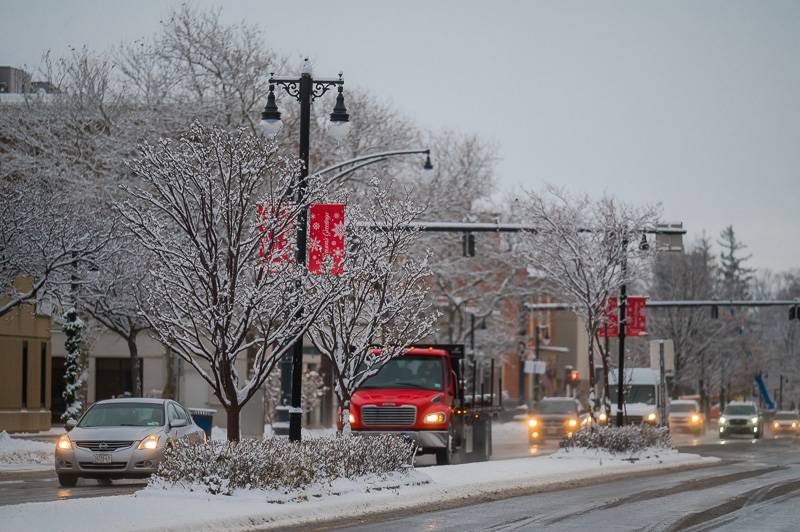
(635, 317)
(276, 245)
(326, 237)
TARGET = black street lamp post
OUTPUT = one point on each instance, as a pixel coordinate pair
(305, 89)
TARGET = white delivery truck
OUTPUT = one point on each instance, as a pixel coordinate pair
(643, 396)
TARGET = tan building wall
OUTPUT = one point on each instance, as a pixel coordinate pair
(25, 351)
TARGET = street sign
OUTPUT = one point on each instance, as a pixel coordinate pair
(326, 237)
(669, 355)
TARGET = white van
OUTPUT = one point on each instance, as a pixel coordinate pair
(642, 396)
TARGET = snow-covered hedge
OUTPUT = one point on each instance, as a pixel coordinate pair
(220, 467)
(625, 439)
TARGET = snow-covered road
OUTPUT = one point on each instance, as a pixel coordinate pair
(758, 490)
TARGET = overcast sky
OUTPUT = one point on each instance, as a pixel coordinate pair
(694, 104)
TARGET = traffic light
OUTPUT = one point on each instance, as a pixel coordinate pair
(468, 244)
(574, 376)
(714, 312)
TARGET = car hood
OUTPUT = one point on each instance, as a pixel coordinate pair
(112, 433)
(635, 409)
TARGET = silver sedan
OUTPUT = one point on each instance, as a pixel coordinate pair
(122, 438)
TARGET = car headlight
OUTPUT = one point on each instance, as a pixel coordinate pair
(651, 417)
(572, 422)
(753, 420)
(722, 420)
(695, 419)
(435, 418)
(149, 443)
(63, 443)
(603, 417)
(351, 418)
(776, 424)
(532, 423)
(794, 424)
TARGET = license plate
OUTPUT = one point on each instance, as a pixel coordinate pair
(101, 458)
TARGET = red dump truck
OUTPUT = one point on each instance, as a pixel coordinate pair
(420, 396)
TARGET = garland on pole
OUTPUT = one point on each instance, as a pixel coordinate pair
(73, 375)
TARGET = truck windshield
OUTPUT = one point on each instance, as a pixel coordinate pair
(682, 407)
(636, 393)
(414, 372)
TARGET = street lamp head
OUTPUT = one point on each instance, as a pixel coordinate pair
(427, 165)
(340, 120)
(271, 122)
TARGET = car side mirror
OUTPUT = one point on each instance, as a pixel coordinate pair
(178, 423)
(70, 424)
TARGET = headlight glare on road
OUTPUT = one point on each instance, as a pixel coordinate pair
(63, 443)
(695, 419)
(435, 418)
(722, 420)
(753, 420)
(532, 423)
(150, 442)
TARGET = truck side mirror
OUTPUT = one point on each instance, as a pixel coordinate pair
(452, 384)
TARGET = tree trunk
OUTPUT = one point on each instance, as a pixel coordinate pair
(592, 383)
(168, 392)
(233, 422)
(133, 349)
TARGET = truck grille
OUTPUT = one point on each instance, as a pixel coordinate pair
(103, 446)
(388, 416)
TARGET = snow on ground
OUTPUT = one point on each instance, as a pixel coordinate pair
(155, 508)
(21, 455)
(52, 431)
(219, 433)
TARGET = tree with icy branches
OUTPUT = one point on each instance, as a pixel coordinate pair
(73, 375)
(579, 245)
(382, 310)
(224, 277)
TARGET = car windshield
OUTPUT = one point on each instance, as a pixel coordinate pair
(785, 415)
(124, 415)
(409, 371)
(637, 393)
(682, 407)
(556, 407)
(739, 410)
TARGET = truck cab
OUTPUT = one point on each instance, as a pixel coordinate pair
(643, 397)
(414, 395)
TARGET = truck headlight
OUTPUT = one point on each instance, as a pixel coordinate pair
(149, 443)
(532, 423)
(351, 418)
(754, 420)
(435, 418)
(695, 419)
(722, 420)
(572, 422)
(63, 443)
(651, 417)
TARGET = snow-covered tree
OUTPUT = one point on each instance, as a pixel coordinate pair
(313, 390)
(586, 249)
(734, 276)
(74, 376)
(382, 309)
(213, 297)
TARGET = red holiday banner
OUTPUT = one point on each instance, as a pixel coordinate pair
(326, 237)
(612, 319)
(636, 319)
(278, 230)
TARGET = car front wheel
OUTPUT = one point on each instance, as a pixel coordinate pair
(67, 481)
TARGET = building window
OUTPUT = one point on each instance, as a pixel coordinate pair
(43, 377)
(24, 374)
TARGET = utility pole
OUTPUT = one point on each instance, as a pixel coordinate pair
(623, 305)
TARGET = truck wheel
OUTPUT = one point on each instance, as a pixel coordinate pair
(445, 456)
(67, 481)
